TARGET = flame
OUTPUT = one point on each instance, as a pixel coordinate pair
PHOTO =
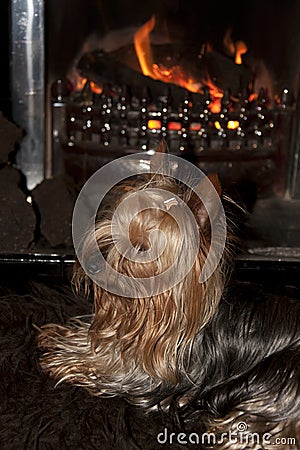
(236, 49)
(216, 96)
(240, 49)
(96, 89)
(79, 82)
(252, 97)
(142, 47)
(175, 74)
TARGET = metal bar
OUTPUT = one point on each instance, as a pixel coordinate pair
(28, 85)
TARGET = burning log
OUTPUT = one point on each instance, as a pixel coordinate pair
(100, 67)
(212, 69)
(226, 74)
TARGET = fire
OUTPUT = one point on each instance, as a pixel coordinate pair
(143, 47)
(175, 74)
(81, 82)
(96, 89)
(143, 51)
(240, 49)
(236, 49)
(216, 96)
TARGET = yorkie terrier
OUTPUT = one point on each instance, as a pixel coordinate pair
(224, 355)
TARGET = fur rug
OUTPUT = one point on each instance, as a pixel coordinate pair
(36, 414)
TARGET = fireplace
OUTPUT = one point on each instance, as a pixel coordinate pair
(219, 83)
(237, 119)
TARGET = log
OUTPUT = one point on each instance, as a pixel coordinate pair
(101, 67)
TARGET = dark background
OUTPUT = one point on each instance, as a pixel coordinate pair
(4, 55)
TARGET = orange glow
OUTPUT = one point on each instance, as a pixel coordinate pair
(96, 89)
(240, 49)
(233, 124)
(195, 126)
(173, 74)
(216, 96)
(252, 97)
(80, 83)
(174, 126)
(236, 49)
(154, 124)
(143, 47)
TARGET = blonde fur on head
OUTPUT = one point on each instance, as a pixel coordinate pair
(138, 347)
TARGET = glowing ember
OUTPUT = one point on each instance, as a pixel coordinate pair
(216, 96)
(154, 124)
(79, 83)
(174, 126)
(233, 124)
(252, 97)
(195, 126)
(96, 89)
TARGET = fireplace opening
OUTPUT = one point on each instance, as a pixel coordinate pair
(221, 91)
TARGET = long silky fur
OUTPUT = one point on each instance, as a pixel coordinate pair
(221, 363)
(136, 346)
(251, 374)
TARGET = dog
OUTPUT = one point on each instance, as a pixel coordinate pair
(209, 351)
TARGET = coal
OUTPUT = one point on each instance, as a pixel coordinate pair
(17, 219)
(55, 199)
(10, 134)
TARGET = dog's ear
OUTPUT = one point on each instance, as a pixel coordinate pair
(204, 200)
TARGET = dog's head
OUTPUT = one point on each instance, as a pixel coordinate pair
(155, 234)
